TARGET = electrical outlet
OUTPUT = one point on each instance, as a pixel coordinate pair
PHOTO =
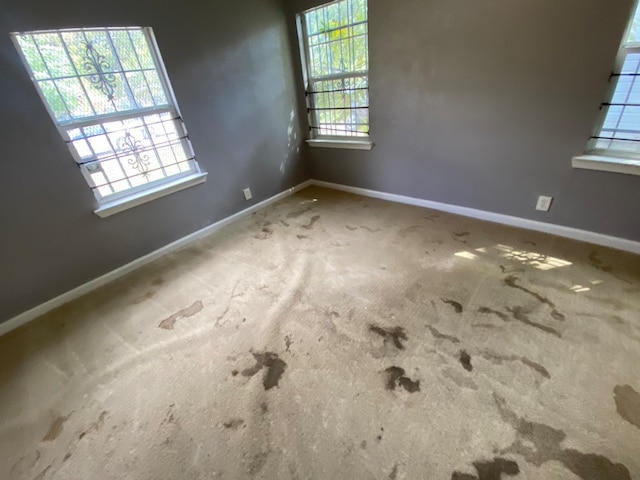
(247, 194)
(544, 203)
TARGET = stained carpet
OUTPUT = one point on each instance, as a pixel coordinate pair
(332, 336)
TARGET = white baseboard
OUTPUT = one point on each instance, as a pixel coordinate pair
(561, 231)
(85, 288)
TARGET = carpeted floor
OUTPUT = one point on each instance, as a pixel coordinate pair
(332, 336)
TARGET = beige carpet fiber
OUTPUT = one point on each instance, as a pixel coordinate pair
(332, 336)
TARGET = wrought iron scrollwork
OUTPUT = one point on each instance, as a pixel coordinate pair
(129, 145)
(97, 64)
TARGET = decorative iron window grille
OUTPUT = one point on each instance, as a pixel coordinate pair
(334, 48)
(108, 94)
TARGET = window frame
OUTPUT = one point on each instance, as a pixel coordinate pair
(362, 142)
(138, 194)
(610, 160)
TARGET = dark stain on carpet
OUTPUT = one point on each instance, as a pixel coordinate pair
(41, 475)
(499, 359)
(460, 234)
(396, 378)
(297, 213)
(465, 360)
(170, 322)
(288, 342)
(441, 336)
(265, 233)
(628, 403)
(274, 365)
(596, 262)
(490, 311)
(511, 281)
(157, 281)
(95, 426)
(257, 462)
(490, 470)
(55, 429)
(312, 222)
(394, 472)
(538, 443)
(303, 237)
(522, 315)
(394, 334)
(234, 424)
(457, 306)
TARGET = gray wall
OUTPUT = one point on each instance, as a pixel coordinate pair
(483, 103)
(230, 66)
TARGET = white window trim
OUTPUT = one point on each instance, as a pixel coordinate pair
(362, 142)
(611, 160)
(138, 195)
(116, 206)
(607, 164)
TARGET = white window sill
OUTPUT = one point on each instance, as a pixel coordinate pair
(607, 164)
(333, 143)
(117, 206)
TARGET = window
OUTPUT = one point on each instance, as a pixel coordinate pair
(108, 94)
(334, 48)
(615, 145)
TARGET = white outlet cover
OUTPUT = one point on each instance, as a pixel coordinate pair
(544, 203)
(247, 194)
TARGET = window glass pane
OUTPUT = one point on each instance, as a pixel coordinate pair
(631, 63)
(54, 55)
(127, 54)
(55, 101)
(33, 57)
(342, 106)
(155, 86)
(141, 48)
(74, 98)
(140, 89)
(634, 30)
